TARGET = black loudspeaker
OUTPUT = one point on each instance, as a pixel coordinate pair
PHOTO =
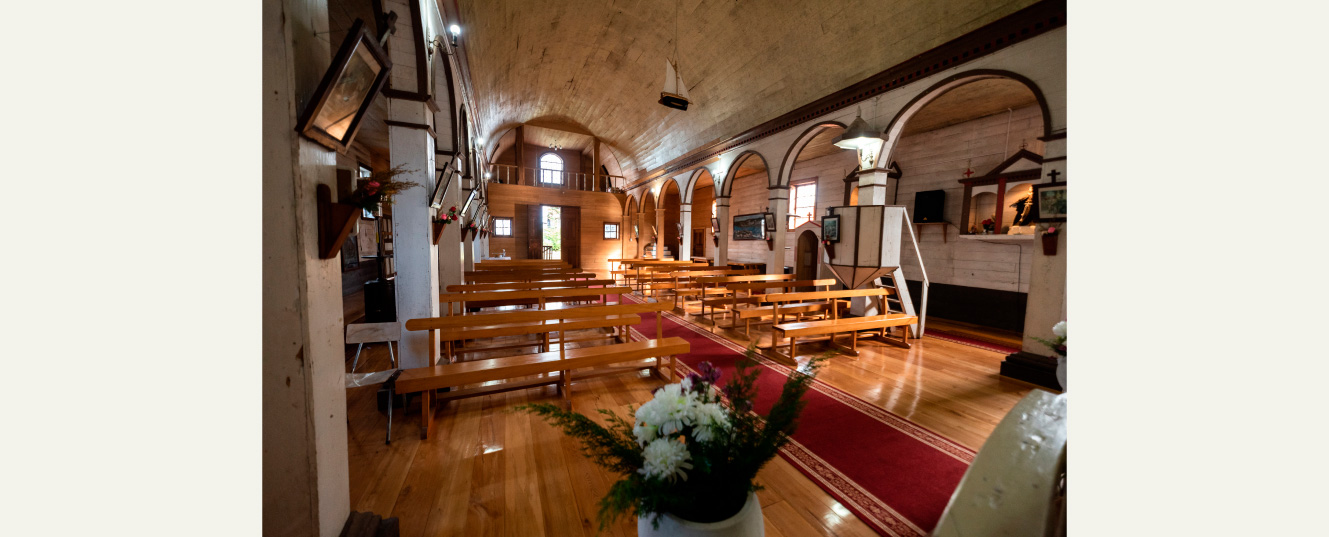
(928, 205)
(381, 301)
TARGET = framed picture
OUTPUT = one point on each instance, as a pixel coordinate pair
(442, 180)
(1050, 202)
(830, 228)
(350, 253)
(715, 225)
(350, 84)
(469, 198)
(770, 221)
(679, 225)
(750, 227)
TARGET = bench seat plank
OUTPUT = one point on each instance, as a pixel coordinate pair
(836, 326)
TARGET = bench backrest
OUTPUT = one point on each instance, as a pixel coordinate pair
(787, 284)
(526, 277)
(824, 295)
(520, 263)
(533, 270)
(532, 294)
(551, 284)
(752, 278)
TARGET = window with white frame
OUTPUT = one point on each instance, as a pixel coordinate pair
(502, 227)
(551, 169)
(611, 230)
(802, 203)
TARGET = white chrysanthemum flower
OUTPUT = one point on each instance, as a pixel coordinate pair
(1059, 329)
(666, 459)
(686, 384)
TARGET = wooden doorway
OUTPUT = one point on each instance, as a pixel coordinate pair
(554, 232)
(805, 258)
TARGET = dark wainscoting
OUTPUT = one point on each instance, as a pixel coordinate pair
(985, 307)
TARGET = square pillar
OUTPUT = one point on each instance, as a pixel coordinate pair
(414, 252)
(779, 205)
(685, 243)
(722, 214)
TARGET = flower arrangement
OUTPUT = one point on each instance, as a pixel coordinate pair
(989, 224)
(381, 188)
(1051, 230)
(449, 217)
(690, 452)
(1058, 343)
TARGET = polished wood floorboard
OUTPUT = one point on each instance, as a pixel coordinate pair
(492, 471)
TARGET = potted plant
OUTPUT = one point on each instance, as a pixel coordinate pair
(1058, 345)
(689, 460)
(1050, 240)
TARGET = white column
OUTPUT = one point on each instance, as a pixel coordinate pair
(659, 227)
(685, 243)
(414, 251)
(306, 489)
(450, 250)
(1046, 304)
(778, 204)
(722, 214)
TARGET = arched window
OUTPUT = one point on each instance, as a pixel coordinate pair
(551, 169)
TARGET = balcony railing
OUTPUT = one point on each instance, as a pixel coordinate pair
(590, 182)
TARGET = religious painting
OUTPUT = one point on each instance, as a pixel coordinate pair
(1050, 202)
(442, 180)
(750, 227)
(769, 218)
(830, 228)
(715, 225)
(349, 86)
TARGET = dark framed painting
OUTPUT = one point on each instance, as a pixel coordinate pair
(750, 227)
(830, 228)
(770, 221)
(350, 253)
(442, 180)
(332, 116)
(715, 225)
(1050, 202)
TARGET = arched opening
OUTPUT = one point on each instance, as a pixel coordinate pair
(747, 185)
(703, 214)
(976, 139)
(672, 230)
(817, 169)
(551, 169)
(627, 235)
(806, 258)
(646, 224)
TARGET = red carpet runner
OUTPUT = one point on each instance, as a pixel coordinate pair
(893, 474)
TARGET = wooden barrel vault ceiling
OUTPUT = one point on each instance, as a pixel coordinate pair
(598, 65)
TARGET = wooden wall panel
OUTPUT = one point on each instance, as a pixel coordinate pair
(596, 209)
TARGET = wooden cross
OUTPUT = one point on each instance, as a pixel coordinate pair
(968, 172)
(1053, 174)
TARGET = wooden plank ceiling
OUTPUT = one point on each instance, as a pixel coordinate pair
(597, 66)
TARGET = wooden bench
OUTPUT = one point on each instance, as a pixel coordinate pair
(426, 380)
(454, 339)
(686, 283)
(719, 285)
(835, 325)
(526, 277)
(516, 286)
(529, 297)
(520, 263)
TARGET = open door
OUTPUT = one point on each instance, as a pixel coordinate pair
(534, 233)
(571, 230)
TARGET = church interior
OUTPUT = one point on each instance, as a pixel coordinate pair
(485, 207)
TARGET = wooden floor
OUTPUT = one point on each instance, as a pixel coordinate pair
(491, 471)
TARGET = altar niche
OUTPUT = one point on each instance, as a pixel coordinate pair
(997, 194)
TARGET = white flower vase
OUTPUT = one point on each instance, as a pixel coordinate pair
(1061, 372)
(747, 523)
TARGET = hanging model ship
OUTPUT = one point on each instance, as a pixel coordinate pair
(675, 94)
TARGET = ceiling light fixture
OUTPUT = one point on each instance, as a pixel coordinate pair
(863, 138)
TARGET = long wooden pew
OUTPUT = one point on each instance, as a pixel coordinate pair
(426, 380)
(525, 277)
(527, 297)
(517, 286)
(719, 285)
(835, 325)
(756, 295)
(520, 263)
(685, 283)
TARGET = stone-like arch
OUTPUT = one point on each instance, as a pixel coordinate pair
(896, 126)
(787, 165)
(732, 173)
(690, 186)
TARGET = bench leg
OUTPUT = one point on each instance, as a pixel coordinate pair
(793, 348)
(426, 414)
(565, 381)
